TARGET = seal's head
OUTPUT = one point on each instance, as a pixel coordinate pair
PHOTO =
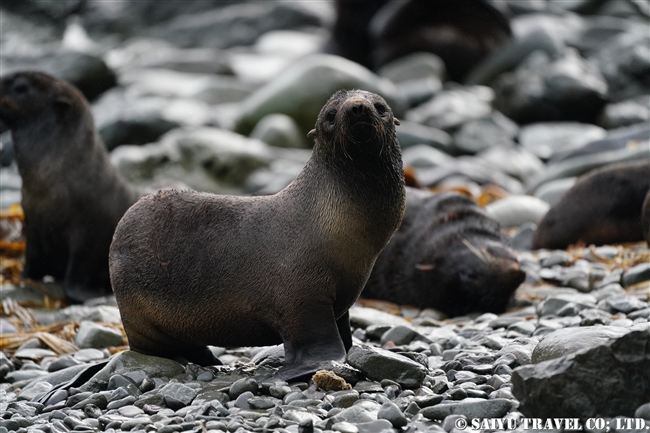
(354, 120)
(30, 98)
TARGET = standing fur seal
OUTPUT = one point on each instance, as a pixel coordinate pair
(603, 207)
(194, 269)
(448, 254)
(71, 195)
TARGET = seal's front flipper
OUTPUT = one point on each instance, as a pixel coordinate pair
(310, 346)
(343, 323)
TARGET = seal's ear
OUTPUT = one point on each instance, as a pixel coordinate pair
(396, 121)
(311, 133)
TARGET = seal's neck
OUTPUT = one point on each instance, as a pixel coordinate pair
(357, 200)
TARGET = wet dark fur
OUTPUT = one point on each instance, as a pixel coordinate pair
(461, 32)
(645, 218)
(603, 207)
(448, 255)
(192, 269)
(72, 196)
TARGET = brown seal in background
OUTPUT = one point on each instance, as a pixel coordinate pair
(193, 269)
(461, 32)
(71, 195)
(448, 254)
(603, 207)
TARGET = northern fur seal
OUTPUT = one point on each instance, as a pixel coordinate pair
(193, 269)
(448, 254)
(603, 207)
(72, 196)
(461, 32)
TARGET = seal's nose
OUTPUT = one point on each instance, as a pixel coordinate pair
(358, 109)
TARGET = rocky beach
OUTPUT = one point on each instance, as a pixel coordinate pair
(219, 97)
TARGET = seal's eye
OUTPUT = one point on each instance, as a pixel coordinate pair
(381, 109)
(20, 88)
(331, 115)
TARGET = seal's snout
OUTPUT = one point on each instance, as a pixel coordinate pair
(358, 109)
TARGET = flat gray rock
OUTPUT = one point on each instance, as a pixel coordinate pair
(570, 340)
(610, 379)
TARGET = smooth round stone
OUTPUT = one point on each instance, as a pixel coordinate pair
(476, 135)
(345, 399)
(548, 138)
(625, 113)
(62, 363)
(449, 109)
(399, 335)
(450, 422)
(126, 401)
(33, 354)
(93, 335)
(516, 210)
(412, 133)
(390, 412)
(242, 400)
(302, 89)
(624, 304)
(643, 411)
(635, 275)
(514, 161)
(425, 156)
(345, 427)
(88, 355)
(552, 191)
(279, 130)
(379, 425)
(6, 327)
(130, 411)
(241, 386)
(413, 66)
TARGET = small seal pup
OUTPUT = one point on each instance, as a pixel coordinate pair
(448, 254)
(603, 207)
(193, 269)
(71, 194)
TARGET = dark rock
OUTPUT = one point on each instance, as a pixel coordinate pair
(629, 112)
(91, 334)
(566, 89)
(177, 395)
(636, 274)
(390, 412)
(622, 366)
(243, 385)
(570, 340)
(548, 139)
(88, 73)
(476, 135)
(471, 408)
(378, 364)
(625, 64)
(239, 24)
(451, 108)
(302, 89)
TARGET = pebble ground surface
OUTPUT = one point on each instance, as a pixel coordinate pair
(409, 370)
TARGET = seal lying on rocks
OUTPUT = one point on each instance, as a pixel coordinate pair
(71, 194)
(603, 207)
(448, 254)
(461, 32)
(193, 269)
